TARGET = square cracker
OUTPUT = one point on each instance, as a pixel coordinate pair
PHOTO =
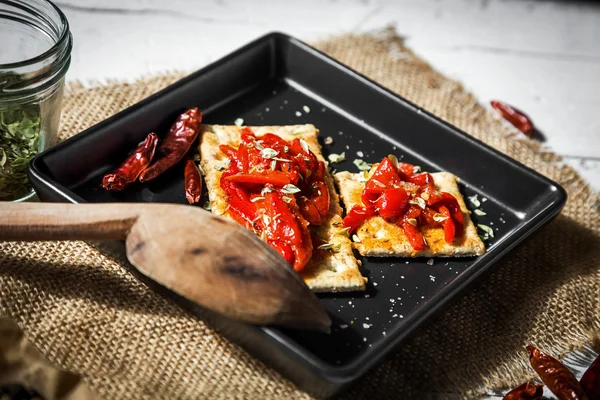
(336, 271)
(379, 238)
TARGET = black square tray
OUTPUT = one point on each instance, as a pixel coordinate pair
(269, 82)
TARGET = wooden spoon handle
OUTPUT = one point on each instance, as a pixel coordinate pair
(55, 221)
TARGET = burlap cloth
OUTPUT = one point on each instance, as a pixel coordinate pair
(87, 314)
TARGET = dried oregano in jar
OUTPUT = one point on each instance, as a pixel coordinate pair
(35, 55)
(19, 143)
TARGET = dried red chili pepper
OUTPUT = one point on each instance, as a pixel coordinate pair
(516, 117)
(556, 376)
(133, 166)
(193, 182)
(176, 143)
(526, 391)
(590, 381)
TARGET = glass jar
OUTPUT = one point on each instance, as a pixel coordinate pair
(35, 54)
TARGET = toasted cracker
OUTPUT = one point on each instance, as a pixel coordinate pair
(379, 238)
(336, 271)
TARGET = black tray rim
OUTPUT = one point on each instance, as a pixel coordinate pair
(361, 364)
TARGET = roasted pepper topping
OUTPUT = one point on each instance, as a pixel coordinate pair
(401, 194)
(277, 189)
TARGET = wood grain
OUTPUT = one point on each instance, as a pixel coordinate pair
(198, 255)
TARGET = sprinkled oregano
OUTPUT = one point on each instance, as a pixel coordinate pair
(304, 146)
(268, 153)
(362, 164)
(336, 158)
(475, 201)
(290, 189)
(486, 229)
(325, 246)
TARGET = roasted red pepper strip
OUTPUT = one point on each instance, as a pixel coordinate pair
(526, 391)
(176, 144)
(590, 381)
(193, 182)
(315, 207)
(414, 236)
(133, 166)
(516, 117)
(240, 206)
(448, 224)
(274, 178)
(392, 203)
(449, 201)
(384, 177)
(556, 376)
(356, 216)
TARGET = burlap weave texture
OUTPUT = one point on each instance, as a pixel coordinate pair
(87, 314)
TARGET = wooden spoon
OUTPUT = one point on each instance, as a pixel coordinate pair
(200, 256)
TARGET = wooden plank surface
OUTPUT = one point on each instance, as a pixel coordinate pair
(541, 56)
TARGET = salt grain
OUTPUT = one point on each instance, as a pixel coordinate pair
(430, 261)
(298, 114)
(367, 326)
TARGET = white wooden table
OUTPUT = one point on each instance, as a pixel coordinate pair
(541, 56)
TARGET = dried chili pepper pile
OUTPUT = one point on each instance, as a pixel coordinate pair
(174, 147)
(558, 379)
(400, 194)
(277, 189)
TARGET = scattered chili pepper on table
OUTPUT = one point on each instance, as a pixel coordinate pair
(176, 144)
(526, 391)
(590, 381)
(133, 166)
(556, 376)
(193, 182)
(516, 117)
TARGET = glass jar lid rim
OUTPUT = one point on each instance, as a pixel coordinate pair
(65, 36)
